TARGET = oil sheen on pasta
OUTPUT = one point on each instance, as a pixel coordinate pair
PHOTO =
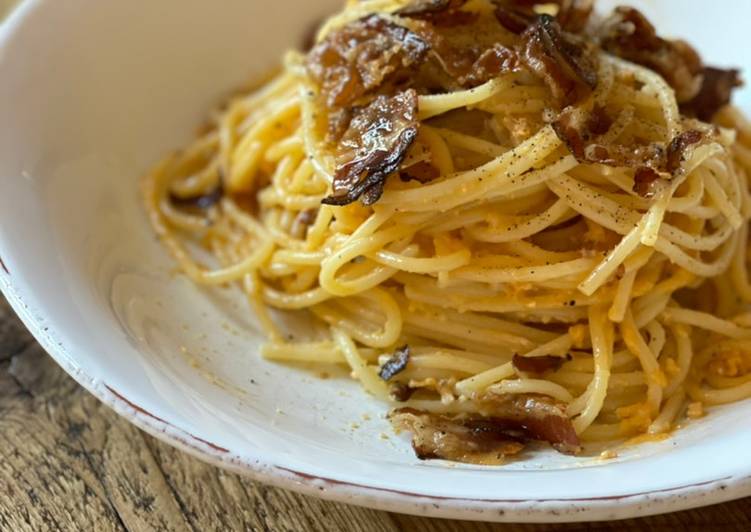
(512, 220)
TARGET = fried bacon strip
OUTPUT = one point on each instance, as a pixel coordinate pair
(199, 202)
(360, 57)
(506, 423)
(716, 89)
(566, 63)
(370, 71)
(574, 15)
(375, 145)
(440, 13)
(538, 364)
(652, 162)
(629, 35)
(517, 15)
(492, 63)
(473, 440)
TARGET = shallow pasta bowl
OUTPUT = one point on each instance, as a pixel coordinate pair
(92, 93)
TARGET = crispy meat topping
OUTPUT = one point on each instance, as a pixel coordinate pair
(652, 161)
(492, 63)
(505, 424)
(573, 15)
(513, 19)
(577, 128)
(440, 13)
(676, 153)
(396, 364)
(466, 49)
(374, 146)
(428, 8)
(199, 202)
(716, 89)
(370, 71)
(517, 15)
(646, 180)
(473, 440)
(566, 63)
(538, 364)
(401, 392)
(629, 35)
(357, 59)
(540, 417)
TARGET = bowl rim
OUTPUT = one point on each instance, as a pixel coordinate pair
(549, 510)
(543, 510)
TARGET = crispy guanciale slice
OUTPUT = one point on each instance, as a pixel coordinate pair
(566, 63)
(716, 90)
(444, 13)
(629, 35)
(473, 440)
(504, 424)
(652, 162)
(517, 15)
(358, 58)
(538, 365)
(373, 147)
(202, 201)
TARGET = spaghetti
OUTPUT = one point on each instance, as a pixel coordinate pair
(510, 222)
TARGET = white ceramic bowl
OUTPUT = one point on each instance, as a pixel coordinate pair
(92, 93)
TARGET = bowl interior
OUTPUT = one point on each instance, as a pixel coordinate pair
(94, 93)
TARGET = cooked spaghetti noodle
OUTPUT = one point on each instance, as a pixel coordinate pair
(535, 267)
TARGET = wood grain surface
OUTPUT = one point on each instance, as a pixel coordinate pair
(68, 462)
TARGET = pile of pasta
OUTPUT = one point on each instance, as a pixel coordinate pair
(502, 278)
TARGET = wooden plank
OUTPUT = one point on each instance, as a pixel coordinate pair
(67, 462)
(217, 500)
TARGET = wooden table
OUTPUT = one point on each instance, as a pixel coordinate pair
(67, 462)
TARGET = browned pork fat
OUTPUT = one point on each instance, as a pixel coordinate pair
(505, 424)
(566, 63)
(466, 47)
(473, 440)
(492, 63)
(716, 89)
(358, 58)
(203, 201)
(677, 148)
(517, 15)
(646, 181)
(538, 364)
(629, 35)
(573, 15)
(374, 146)
(578, 127)
(428, 8)
(541, 417)
(442, 13)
